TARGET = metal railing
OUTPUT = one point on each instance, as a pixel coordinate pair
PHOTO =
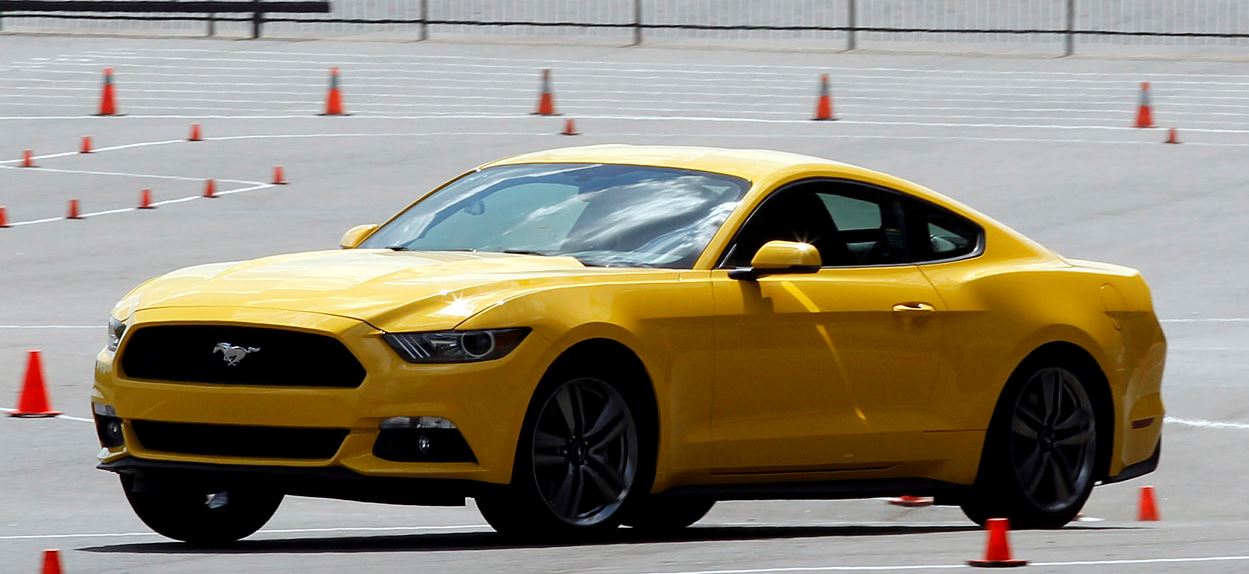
(841, 24)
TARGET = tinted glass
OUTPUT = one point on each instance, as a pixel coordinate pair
(609, 215)
(850, 225)
(940, 234)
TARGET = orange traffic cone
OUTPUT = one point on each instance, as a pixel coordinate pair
(4, 218)
(210, 189)
(824, 103)
(73, 210)
(108, 100)
(51, 562)
(546, 100)
(570, 128)
(33, 401)
(334, 99)
(997, 553)
(279, 175)
(86, 145)
(911, 501)
(1173, 136)
(28, 158)
(145, 199)
(1145, 110)
(1148, 508)
(195, 134)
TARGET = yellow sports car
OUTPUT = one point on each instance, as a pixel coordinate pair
(592, 336)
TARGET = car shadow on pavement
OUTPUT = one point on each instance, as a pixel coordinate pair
(469, 541)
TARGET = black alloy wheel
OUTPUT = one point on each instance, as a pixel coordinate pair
(200, 515)
(585, 452)
(578, 463)
(1039, 464)
(1053, 439)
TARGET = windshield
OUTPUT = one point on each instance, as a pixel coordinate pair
(603, 215)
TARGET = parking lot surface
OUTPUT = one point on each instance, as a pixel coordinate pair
(1044, 145)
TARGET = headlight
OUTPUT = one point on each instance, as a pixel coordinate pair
(116, 329)
(456, 346)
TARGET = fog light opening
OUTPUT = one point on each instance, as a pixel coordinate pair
(416, 423)
(108, 427)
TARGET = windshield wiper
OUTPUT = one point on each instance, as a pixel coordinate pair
(396, 248)
(528, 252)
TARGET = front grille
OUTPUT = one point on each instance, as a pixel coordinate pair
(242, 441)
(231, 355)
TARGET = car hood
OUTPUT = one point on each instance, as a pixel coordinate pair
(388, 289)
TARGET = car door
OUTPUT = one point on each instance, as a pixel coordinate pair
(830, 370)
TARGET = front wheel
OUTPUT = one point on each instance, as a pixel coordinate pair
(200, 515)
(662, 514)
(1038, 467)
(578, 462)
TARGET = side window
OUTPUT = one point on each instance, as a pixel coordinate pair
(850, 225)
(940, 234)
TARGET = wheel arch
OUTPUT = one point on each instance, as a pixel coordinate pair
(615, 356)
(1096, 383)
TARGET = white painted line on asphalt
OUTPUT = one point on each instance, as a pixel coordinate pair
(574, 80)
(822, 569)
(66, 417)
(124, 174)
(1198, 559)
(73, 418)
(154, 204)
(1206, 424)
(712, 68)
(265, 531)
(1208, 320)
(2, 327)
(714, 119)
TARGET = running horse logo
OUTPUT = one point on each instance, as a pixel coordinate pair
(233, 354)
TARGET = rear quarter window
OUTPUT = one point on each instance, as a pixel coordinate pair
(939, 234)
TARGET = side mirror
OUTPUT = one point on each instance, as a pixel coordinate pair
(780, 257)
(356, 235)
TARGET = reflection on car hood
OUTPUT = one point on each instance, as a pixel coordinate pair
(388, 289)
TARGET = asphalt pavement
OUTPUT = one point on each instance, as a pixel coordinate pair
(1044, 145)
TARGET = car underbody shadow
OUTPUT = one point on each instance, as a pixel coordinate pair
(469, 541)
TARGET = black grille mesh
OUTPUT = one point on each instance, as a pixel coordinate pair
(188, 353)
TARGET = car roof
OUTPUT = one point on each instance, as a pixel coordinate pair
(750, 164)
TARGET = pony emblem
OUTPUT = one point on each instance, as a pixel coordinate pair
(233, 354)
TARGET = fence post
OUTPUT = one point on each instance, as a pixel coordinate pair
(637, 22)
(424, 9)
(1070, 47)
(212, 24)
(258, 18)
(852, 16)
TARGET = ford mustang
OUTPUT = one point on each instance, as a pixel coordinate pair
(595, 336)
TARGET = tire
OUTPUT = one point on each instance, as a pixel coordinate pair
(580, 461)
(200, 515)
(1039, 463)
(662, 514)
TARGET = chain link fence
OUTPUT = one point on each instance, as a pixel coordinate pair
(1062, 26)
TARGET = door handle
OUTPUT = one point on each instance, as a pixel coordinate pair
(914, 309)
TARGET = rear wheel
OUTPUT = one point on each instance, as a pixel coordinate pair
(1038, 467)
(578, 462)
(200, 515)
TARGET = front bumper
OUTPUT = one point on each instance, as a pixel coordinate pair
(485, 401)
(328, 482)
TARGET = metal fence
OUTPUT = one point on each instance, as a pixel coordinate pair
(1063, 26)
